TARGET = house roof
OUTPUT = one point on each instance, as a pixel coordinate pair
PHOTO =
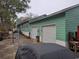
(63, 10)
(33, 19)
(45, 16)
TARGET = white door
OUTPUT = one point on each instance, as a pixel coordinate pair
(49, 34)
(34, 33)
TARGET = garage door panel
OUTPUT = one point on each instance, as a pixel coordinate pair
(49, 34)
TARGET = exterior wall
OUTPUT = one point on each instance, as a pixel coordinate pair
(65, 22)
(72, 20)
(59, 20)
(72, 17)
(25, 29)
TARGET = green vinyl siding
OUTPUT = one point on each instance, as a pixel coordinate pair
(25, 27)
(72, 19)
(58, 20)
(65, 22)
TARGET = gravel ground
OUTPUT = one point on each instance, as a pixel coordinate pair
(8, 48)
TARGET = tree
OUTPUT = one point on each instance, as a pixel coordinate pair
(9, 8)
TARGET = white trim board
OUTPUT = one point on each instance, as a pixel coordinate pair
(62, 43)
(25, 33)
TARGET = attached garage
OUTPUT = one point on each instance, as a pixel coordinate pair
(54, 28)
(49, 34)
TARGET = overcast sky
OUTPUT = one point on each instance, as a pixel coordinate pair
(40, 7)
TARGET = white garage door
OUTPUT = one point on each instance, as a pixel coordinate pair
(49, 34)
(34, 33)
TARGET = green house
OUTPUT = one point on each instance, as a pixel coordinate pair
(52, 28)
